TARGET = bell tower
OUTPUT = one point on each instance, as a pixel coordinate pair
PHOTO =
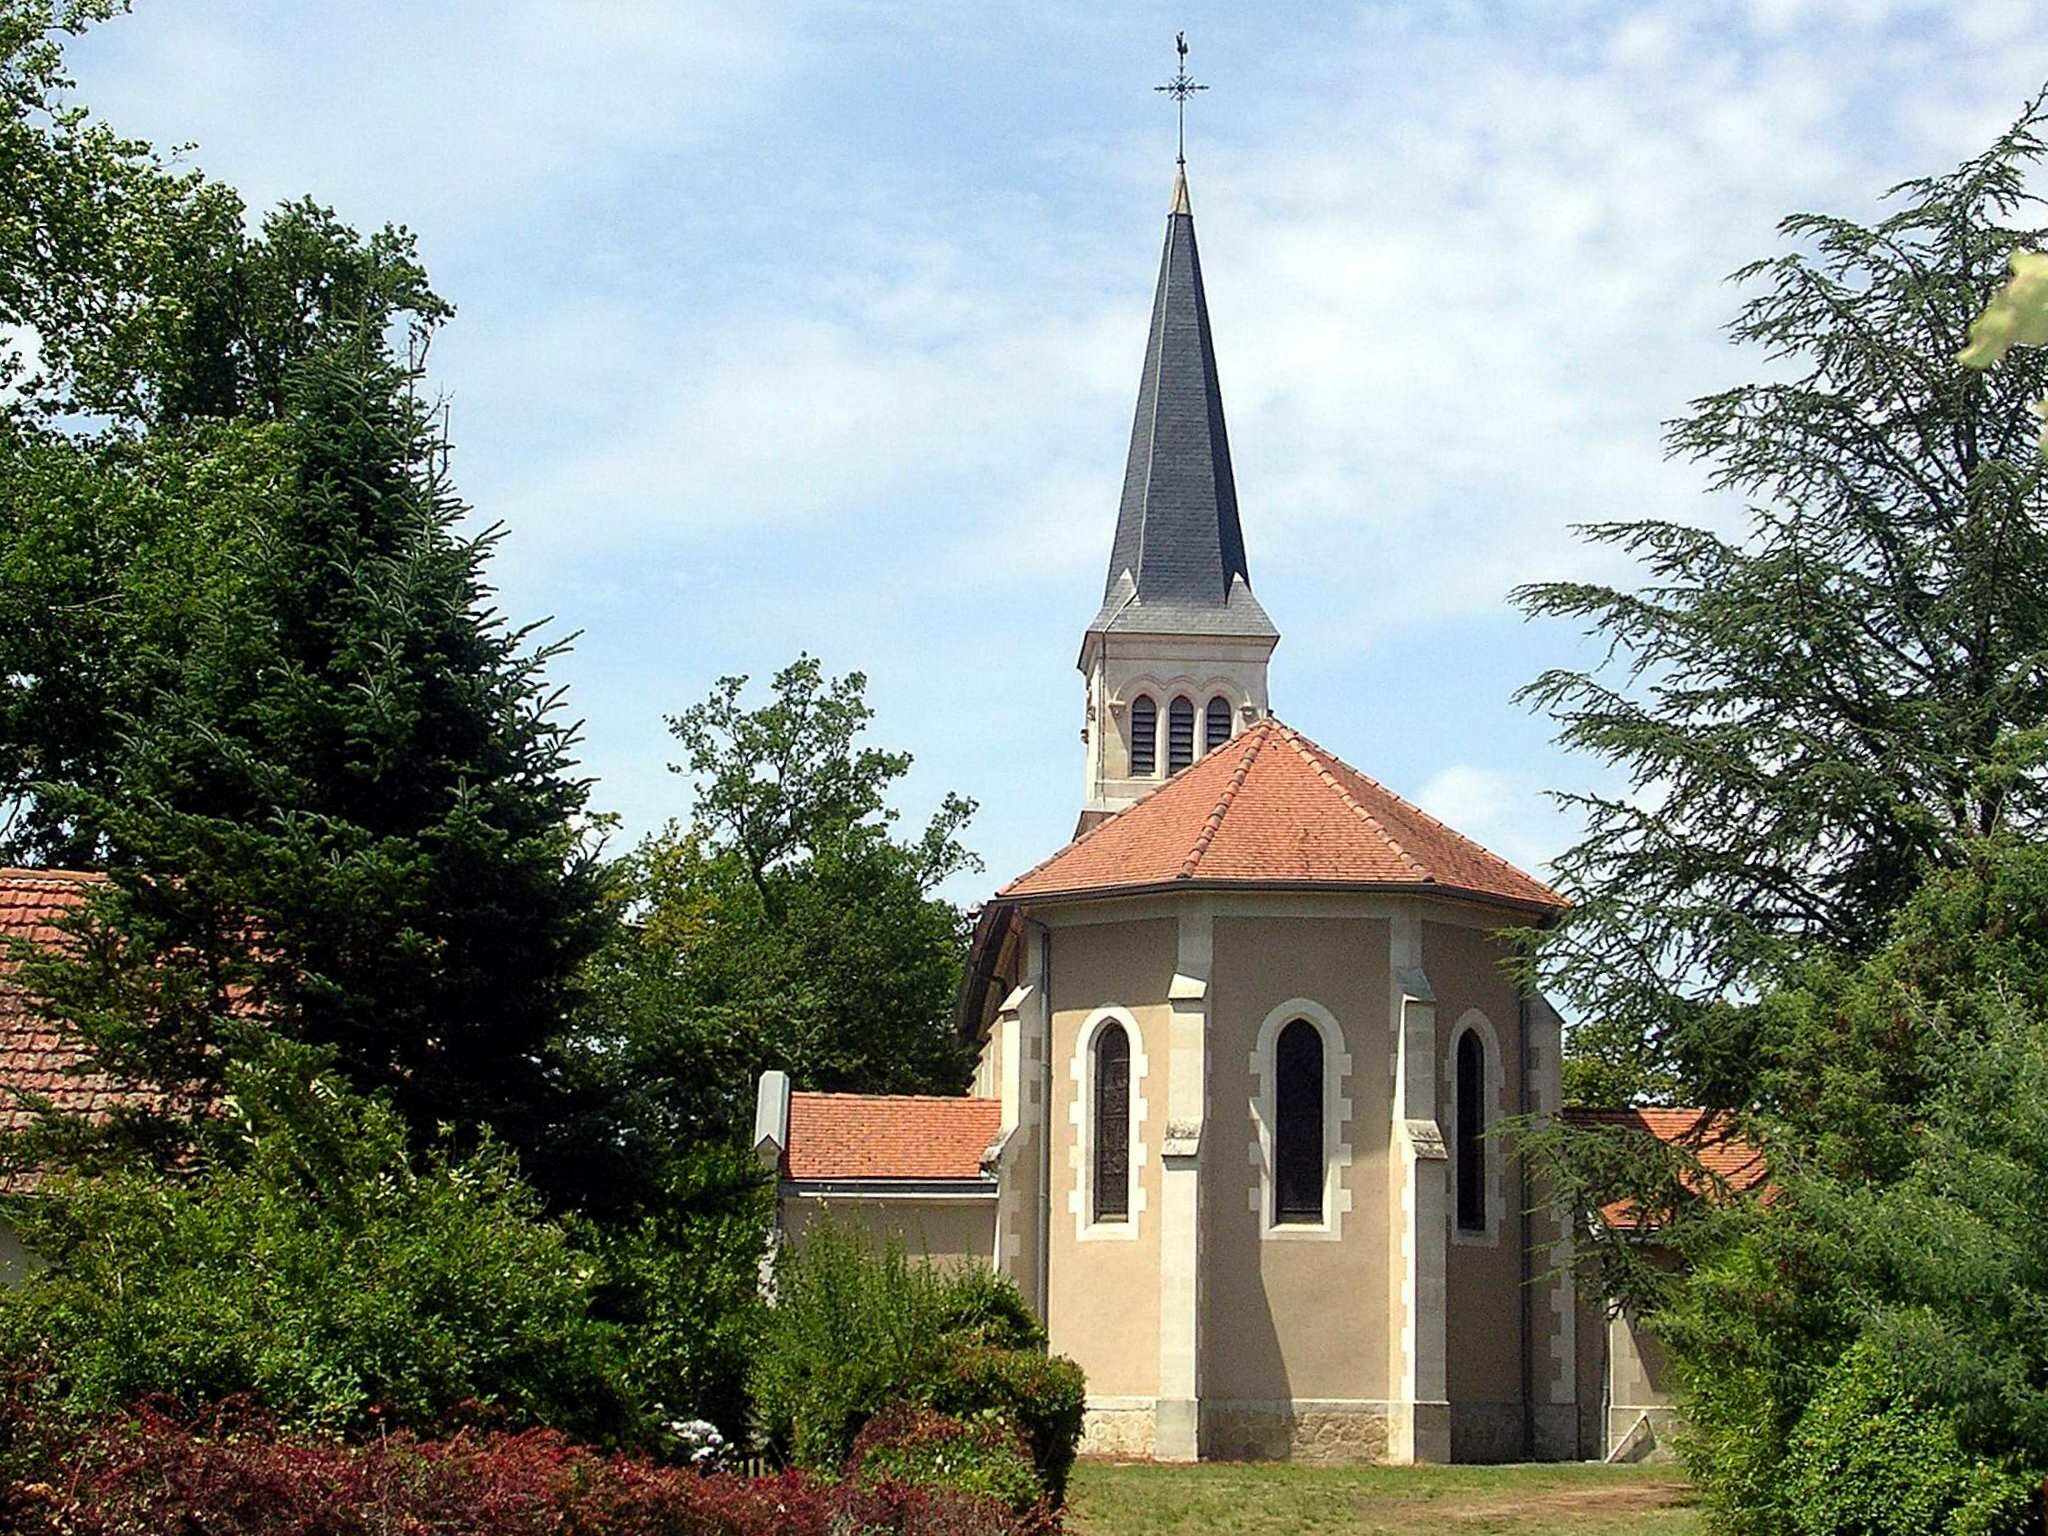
(1175, 660)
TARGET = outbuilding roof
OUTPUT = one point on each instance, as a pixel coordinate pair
(35, 1058)
(1721, 1160)
(1271, 808)
(836, 1137)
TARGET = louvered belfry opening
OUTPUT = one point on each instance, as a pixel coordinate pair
(1216, 724)
(1180, 735)
(1112, 1124)
(1298, 1133)
(1144, 737)
(1471, 1133)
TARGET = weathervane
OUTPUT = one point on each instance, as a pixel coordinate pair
(1180, 88)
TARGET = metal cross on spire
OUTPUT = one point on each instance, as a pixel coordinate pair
(1180, 88)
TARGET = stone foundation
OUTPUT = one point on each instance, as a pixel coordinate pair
(1329, 1433)
(1486, 1432)
(1119, 1428)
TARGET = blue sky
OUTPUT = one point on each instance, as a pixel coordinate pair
(818, 326)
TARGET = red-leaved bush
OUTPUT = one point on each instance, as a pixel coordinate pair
(148, 1474)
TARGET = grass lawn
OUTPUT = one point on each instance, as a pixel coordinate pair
(1247, 1498)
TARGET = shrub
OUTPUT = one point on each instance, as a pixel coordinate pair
(1866, 1459)
(1042, 1395)
(983, 1456)
(229, 1477)
(314, 1265)
(856, 1329)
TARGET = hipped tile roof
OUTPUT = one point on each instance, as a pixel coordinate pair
(1273, 808)
(1708, 1138)
(34, 1057)
(888, 1136)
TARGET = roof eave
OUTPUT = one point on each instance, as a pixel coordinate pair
(1436, 888)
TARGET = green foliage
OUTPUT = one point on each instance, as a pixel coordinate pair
(1807, 718)
(1867, 1460)
(854, 1330)
(929, 1450)
(311, 1261)
(785, 926)
(354, 760)
(681, 1280)
(1043, 1396)
(1898, 1278)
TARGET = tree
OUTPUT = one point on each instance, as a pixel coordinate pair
(784, 925)
(350, 811)
(1810, 718)
(138, 316)
(1868, 1341)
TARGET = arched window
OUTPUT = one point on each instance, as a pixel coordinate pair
(1112, 1124)
(1144, 737)
(1180, 735)
(1298, 1133)
(1216, 724)
(1471, 1132)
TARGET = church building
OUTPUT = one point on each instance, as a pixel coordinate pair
(1242, 1045)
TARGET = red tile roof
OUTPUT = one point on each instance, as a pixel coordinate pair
(1273, 808)
(1707, 1137)
(34, 1057)
(888, 1136)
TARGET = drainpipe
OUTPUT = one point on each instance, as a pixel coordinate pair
(1528, 1277)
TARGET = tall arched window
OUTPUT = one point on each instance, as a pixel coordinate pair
(1180, 735)
(1471, 1132)
(1216, 724)
(1112, 1124)
(1144, 737)
(1298, 1131)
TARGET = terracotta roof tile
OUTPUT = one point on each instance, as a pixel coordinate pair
(1708, 1137)
(34, 1057)
(1273, 808)
(888, 1136)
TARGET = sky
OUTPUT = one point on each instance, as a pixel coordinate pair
(817, 327)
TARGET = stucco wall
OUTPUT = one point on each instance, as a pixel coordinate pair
(1102, 1293)
(1483, 1320)
(944, 1231)
(1295, 1317)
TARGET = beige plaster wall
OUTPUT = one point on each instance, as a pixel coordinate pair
(943, 1231)
(1296, 1318)
(1483, 1320)
(1102, 1292)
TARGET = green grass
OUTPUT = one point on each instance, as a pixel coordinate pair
(1249, 1498)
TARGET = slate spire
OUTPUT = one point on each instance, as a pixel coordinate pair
(1177, 565)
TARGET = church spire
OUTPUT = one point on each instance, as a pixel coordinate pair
(1177, 565)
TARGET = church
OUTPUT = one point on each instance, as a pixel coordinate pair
(1242, 1046)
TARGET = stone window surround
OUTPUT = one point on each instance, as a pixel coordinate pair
(1336, 1123)
(1473, 1021)
(1081, 1115)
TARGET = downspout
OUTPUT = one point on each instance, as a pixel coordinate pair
(1528, 1276)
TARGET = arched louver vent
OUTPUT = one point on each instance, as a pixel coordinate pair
(1144, 737)
(1180, 735)
(1216, 724)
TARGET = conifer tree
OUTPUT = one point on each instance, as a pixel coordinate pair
(350, 815)
(1811, 716)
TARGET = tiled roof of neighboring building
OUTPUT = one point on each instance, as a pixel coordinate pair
(835, 1136)
(1271, 808)
(34, 1057)
(1708, 1138)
